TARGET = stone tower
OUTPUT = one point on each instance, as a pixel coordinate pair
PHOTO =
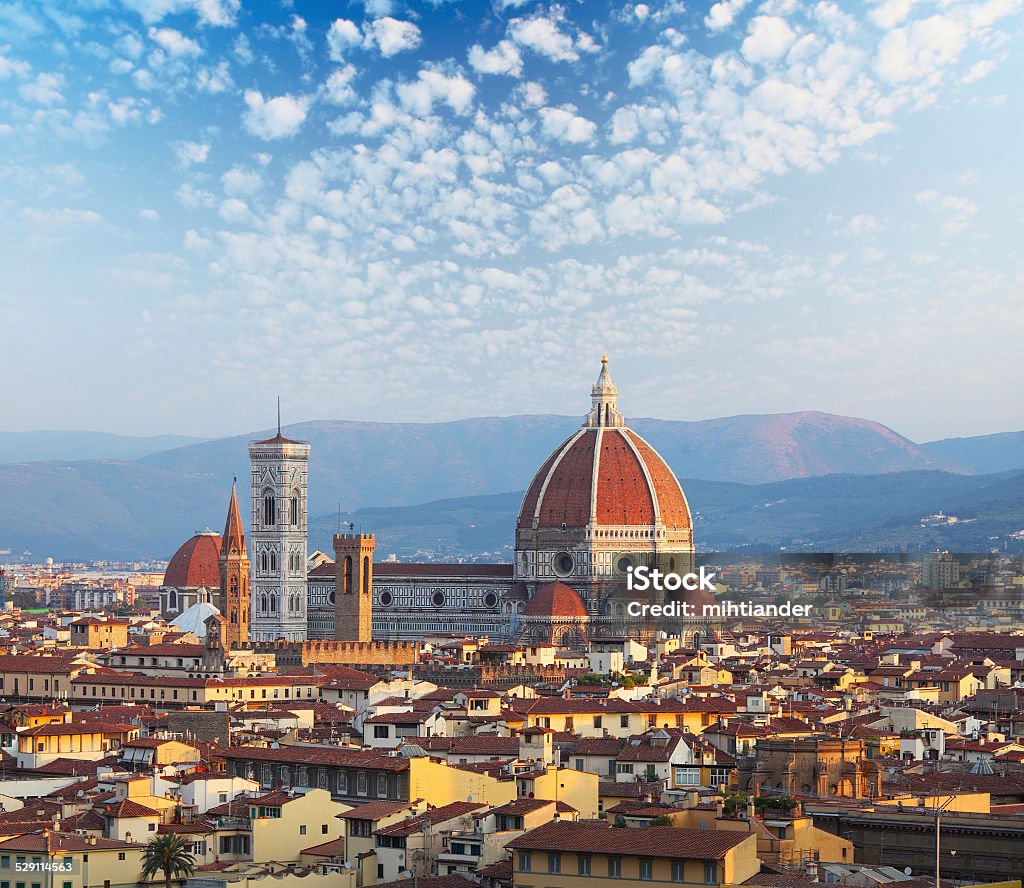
(353, 590)
(233, 601)
(280, 469)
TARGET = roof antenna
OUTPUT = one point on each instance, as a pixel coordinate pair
(278, 416)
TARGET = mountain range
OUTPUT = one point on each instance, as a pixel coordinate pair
(449, 488)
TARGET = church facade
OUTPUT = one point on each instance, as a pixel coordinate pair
(603, 501)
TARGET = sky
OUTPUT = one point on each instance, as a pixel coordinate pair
(421, 211)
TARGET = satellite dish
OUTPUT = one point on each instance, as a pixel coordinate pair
(907, 870)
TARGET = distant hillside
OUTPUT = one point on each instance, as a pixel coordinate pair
(360, 464)
(861, 476)
(837, 512)
(16, 447)
(983, 454)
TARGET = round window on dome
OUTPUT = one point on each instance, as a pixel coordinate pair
(624, 564)
(564, 563)
(490, 600)
(386, 599)
(437, 599)
(330, 598)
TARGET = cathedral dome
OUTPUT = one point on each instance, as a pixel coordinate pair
(604, 474)
(196, 563)
(555, 600)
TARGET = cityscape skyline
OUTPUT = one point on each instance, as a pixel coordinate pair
(408, 212)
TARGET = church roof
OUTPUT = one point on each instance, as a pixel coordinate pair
(194, 618)
(195, 563)
(555, 600)
(605, 474)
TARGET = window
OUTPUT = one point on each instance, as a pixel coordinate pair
(362, 783)
(646, 867)
(624, 768)
(381, 732)
(597, 721)
(614, 867)
(294, 510)
(121, 855)
(323, 830)
(524, 861)
(583, 861)
(623, 721)
(554, 863)
(382, 785)
(677, 871)
(686, 776)
(710, 873)
(579, 765)
(152, 827)
(269, 510)
(343, 781)
(302, 829)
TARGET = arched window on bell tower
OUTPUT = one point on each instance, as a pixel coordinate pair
(269, 509)
(366, 575)
(294, 509)
(346, 577)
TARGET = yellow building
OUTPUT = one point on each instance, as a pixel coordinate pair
(283, 823)
(572, 855)
(67, 860)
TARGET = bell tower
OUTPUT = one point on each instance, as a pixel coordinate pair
(353, 588)
(280, 469)
(234, 578)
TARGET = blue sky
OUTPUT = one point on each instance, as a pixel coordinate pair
(430, 210)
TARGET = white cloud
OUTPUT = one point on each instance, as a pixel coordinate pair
(338, 86)
(219, 13)
(45, 89)
(215, 80)
(920, 48)
(149, 214)
(567, 126)
(418, 97)
(542, 35)
(241, 182)
(392, 36)
(276, 118)
(60, 216)
(13, 68)
(723, 14)
(957, 211)
(503, 59)
(341, 36)
(768, 39)
(889, 13)
(189, 153)
(174, 42)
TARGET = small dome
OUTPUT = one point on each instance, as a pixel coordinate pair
(194, 619)
(555, 600)
(196, 563)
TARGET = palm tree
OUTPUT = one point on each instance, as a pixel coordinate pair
(169, 854)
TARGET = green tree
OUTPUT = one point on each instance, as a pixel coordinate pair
(167, 854)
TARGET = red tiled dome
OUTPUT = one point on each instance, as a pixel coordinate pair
(634, 485)
(555, 600)
(196, 563)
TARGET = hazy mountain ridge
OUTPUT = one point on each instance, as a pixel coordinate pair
(983, 454)
(146, 507)
(53, 444)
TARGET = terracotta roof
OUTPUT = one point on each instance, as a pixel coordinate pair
(130, 808)
(50, 842)
(318, 755)
(433, 815)
(555, 600)
(334, 848)
(374, 810)
(195, 563)
(633, 484)
(654, 841)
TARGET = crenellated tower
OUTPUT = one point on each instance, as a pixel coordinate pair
(353, 590)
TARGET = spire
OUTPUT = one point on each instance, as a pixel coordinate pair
(234, 535)
(278, 416)
(604, 398)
